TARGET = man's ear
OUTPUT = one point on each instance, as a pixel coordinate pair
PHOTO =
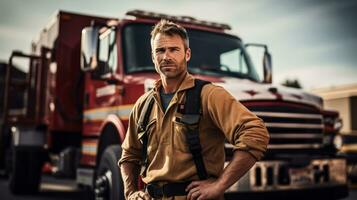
(188, 54)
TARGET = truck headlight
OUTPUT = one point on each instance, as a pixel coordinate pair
(338, 141)
(338, 124)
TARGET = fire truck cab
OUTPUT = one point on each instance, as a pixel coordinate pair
(86, 72)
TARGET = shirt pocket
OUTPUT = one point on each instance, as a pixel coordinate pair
(179, 138)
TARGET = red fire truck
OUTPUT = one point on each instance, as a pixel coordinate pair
(86, 72)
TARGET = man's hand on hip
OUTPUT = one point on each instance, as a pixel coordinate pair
(206, 189)
(139, 195)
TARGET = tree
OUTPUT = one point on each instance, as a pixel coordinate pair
(292, 83)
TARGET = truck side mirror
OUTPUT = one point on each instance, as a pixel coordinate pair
(267, 62)
(89, 45)
(267, 65)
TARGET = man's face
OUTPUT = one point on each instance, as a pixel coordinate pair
(169, 55)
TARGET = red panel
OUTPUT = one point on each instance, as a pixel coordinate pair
(87, 160)
(69, 77)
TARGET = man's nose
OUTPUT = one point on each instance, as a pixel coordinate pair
(166, 55)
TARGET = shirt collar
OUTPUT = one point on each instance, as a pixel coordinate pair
(188, 82)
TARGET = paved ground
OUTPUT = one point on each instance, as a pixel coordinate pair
(53, 189)
(353, 193)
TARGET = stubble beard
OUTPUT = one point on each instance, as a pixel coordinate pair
(176, 72)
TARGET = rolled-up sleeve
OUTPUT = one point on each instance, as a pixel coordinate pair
(242, 128)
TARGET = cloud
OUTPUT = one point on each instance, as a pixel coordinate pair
(13, 33)
(14, 38)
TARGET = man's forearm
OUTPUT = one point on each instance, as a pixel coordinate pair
(241, 162)
(130, 174)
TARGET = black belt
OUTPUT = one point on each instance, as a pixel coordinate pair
(167, 190)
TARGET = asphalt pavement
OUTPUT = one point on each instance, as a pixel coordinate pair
(51, 189)
(57, 189)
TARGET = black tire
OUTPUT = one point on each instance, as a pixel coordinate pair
(25, 172)
(109, 183)
(4, 150)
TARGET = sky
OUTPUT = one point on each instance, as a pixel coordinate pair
(314, 41)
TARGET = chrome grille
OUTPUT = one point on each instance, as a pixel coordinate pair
(291, 126)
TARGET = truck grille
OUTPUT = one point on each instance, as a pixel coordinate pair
(292, 127)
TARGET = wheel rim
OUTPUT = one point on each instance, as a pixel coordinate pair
(103, 186)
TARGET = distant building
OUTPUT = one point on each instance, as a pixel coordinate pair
(344, 100)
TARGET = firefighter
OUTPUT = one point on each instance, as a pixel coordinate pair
(175, 140)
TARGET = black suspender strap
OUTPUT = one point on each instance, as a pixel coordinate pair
(193, 98)
(190, 118)
(143, 122)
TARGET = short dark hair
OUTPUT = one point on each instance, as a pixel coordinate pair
(170, 28)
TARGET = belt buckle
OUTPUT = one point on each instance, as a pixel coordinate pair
(155, 191)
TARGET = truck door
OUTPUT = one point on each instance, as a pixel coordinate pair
(102, 86)
(20, 90)
(26, 89)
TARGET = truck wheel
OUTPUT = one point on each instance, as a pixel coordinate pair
(25, 172)
(4, 150)
(108, 183)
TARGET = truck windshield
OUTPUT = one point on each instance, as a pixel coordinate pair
(212, 53)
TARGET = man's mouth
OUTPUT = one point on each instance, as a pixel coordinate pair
(168, 66)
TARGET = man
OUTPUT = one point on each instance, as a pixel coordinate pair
(169, 160)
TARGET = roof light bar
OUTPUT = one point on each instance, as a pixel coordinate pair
(184, 19)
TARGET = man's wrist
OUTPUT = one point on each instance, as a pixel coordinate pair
(129, 193)
(221, 187)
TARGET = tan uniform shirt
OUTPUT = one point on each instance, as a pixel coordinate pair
(169, 158)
